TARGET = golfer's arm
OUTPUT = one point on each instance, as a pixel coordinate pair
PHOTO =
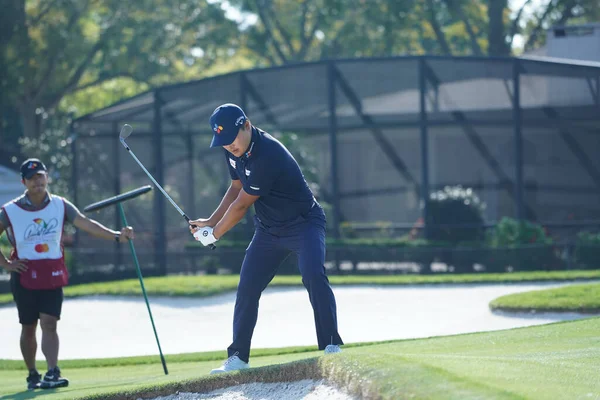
(94, 228)
(234, 214)
(229, 197)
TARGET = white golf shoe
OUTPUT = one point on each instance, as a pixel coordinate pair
(233, 363)
(332, 348)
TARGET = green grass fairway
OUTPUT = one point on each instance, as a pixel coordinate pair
(555, 361)
(584, 298)
(209, 285)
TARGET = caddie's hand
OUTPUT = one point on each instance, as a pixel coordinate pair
(205, 236)
(126, 233)
(197, 224)
(17, 266)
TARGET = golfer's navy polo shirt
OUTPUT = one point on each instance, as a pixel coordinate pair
(268, 170)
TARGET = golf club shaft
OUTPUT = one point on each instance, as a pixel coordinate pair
(211, 246)
(154, 181)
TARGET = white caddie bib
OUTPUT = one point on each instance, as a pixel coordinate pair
(38, 234)
(38, 239)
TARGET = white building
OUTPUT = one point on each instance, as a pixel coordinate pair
(577, 42)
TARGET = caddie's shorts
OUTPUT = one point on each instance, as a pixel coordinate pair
(30, 303)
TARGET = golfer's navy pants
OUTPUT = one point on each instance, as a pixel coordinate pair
(269, 247)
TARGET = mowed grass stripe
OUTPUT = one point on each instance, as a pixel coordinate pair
(583, 298)
(557, 361)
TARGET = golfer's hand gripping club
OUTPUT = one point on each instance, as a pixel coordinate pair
(205, 236)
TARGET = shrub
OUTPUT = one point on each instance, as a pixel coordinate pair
(454, 205)
(521, 245)
(511, 232)
(587, 250)
(5, 246)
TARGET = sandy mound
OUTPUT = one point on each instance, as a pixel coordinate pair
(301, 390)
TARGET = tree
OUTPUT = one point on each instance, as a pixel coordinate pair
(458, 26)
(8, 139)
(290, 31)
(52, 48)
(497, 32)
(287, 32)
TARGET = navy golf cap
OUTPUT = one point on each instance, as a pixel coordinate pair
(32, 166)
(226, 121)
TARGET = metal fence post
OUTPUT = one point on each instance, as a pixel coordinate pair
(335, 191)
(597, 99)
(74, 178)
(518, 139)
(191, 149)
(245, 107)
(160, 239)
(117, 187)
(424, 143)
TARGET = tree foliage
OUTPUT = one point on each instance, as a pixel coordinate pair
(53, 48)
(288, 32)
(57, 48)
(81, 55)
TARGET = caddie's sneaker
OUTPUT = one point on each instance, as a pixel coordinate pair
(332, 348)
(233, 363)
(52, 379)
(33, 380)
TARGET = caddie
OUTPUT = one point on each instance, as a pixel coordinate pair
(34, 224)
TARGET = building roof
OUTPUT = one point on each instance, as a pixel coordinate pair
(296, 97)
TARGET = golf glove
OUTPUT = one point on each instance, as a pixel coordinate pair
(205, 236)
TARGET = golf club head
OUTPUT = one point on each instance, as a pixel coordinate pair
(125, 131)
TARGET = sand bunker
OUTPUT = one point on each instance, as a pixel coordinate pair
(306, 389)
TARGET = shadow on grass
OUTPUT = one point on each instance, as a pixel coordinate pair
(533, 314)
(28, 394)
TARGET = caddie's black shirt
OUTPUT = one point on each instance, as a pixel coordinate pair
(268, 170)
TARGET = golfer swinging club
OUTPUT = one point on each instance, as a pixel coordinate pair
(288, 220)
(34, 224)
